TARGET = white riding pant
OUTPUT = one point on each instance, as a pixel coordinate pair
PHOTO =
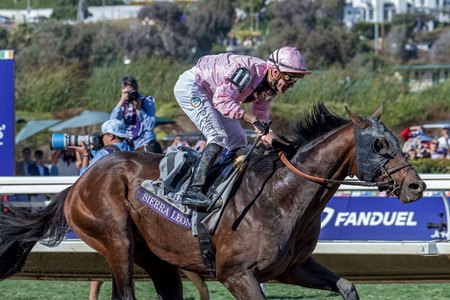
(216, 128)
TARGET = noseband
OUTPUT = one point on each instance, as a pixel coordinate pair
(393, 186)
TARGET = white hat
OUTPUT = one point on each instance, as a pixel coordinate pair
(115, 127)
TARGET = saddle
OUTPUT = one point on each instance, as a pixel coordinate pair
(175, 173)
(164, 195)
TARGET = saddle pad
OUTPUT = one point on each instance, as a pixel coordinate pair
(164, 208)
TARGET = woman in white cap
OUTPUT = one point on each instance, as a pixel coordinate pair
(211, 94)
(114, 139)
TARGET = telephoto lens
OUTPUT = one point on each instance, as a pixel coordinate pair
(61, 141)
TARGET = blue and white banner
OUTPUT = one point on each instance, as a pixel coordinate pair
(367, 216)
(7, 112)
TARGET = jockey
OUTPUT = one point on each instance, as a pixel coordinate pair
(211, 94)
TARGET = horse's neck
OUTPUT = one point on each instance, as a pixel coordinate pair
(331, 157)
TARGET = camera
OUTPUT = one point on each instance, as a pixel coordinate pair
(133, 95)
(61, 141)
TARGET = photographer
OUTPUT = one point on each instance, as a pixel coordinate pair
(113, 139)
(138, 114)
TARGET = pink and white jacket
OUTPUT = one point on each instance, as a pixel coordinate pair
(212, 73)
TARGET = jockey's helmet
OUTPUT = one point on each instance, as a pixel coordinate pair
(288, 59)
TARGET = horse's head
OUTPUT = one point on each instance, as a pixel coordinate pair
(380, 159)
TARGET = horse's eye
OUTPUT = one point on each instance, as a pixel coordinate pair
(381, 146)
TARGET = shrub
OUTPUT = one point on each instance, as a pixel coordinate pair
(436, 166)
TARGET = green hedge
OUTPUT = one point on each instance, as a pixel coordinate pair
(436, 166)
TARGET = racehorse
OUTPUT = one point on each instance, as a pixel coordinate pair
(279, 212)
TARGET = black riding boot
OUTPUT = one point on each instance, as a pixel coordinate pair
(194, 196)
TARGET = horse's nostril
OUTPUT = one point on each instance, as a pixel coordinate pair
(418, 186)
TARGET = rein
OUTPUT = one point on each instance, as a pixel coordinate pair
(333, 181)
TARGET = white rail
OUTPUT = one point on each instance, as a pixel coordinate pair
(435, 182)
(424, 248)
(55, 184)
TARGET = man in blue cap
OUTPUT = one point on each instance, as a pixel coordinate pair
(114, 139)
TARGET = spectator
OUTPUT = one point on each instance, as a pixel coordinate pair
(66, 162)
(94, 289)
(442, 153)
(37, 168)
(409, 132)
(444, 139)
(434, 154)
(411, 136)
(212, 92)
(178, 141)
(422, 150)
(114, 139)
(22, 166)
(437, 152)
(53, 167)
(138, 114)
(411, 153)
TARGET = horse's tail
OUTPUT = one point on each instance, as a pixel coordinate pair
(21, 230)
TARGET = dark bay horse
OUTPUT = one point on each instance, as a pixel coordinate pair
(274, 240)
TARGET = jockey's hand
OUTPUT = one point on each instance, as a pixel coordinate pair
(266, 140)
(262, 128)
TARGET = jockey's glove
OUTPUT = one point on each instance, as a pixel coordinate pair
(263, 127)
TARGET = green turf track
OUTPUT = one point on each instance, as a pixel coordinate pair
(78, 290)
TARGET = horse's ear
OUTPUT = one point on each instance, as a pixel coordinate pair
(379, 111)
(357, 120)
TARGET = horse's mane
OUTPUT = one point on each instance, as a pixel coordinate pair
(315, 123)
(308, 126)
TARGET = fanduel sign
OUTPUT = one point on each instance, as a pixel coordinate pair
(7, 112)
(366, 217)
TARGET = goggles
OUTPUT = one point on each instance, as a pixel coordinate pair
(292, 79)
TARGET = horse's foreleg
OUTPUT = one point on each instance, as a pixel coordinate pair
(313, 275)
(242, 285)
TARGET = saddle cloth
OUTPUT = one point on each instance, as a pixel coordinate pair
(164, 194)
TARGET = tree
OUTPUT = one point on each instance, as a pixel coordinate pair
(315, 27)
(164, 32)
(209, 22)
(439, 51)
(4, 36)
(66, 10)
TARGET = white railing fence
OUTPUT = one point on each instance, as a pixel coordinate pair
(435, 182)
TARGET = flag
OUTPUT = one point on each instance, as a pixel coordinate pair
(6, 54)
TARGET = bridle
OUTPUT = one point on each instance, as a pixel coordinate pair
(393, 185)
(385, 180)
